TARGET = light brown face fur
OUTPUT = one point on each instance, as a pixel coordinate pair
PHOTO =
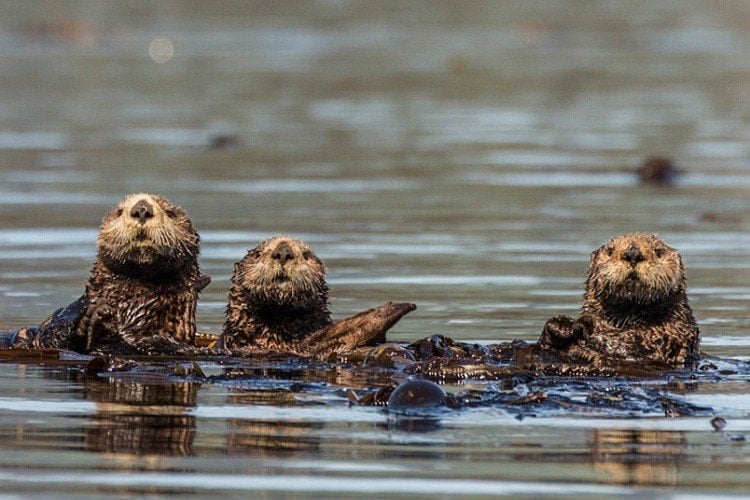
(146, 231)
(282, 271)
(638, 268)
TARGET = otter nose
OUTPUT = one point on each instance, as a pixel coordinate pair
(282, 253)
(633, 254)
(142, 211)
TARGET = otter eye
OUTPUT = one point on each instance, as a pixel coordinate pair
(119, 212)
(660, 252)
(171, 214)
(306, 255)
(609, 251)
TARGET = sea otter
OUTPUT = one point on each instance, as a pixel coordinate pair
(279, 301)
(635, 308)
(143, 288)
(658, 170)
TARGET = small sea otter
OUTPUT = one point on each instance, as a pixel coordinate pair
(143, 288)
(635, 308)
(658, 170)
(279, 301)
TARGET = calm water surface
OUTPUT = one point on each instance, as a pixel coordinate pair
(466, 156)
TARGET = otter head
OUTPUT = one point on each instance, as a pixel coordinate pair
(146, 236)
(635, 270)
(282, 271)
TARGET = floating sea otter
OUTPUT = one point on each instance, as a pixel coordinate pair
(635, 308)
(143, 288)
(279, 301)
(636, 321)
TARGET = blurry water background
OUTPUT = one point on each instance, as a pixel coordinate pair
(466, 156)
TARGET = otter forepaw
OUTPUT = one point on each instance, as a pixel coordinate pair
(160, 345)
(584, 327)
(558, 332)
(101, 314)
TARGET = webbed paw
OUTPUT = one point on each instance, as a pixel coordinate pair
(584, 327)
(558, 333)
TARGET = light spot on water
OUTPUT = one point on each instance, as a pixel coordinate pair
(725, 340)
(161, 50)
(32, 140)
(22, 294)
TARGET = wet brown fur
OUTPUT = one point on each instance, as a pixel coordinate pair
(279, 301)
(275, 304)
(142, 292)
(635, 308)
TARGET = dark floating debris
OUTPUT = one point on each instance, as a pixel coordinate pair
(718, 423)
(378, 397)
(658, 170)
(719, 218)
(513, 377)
(416, 395)
(6, 339)
(389, 355)
(416, 405)
(221, 142)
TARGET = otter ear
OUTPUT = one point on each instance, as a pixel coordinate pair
(595, 253)
(254, 254)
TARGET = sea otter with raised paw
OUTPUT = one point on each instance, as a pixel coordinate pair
(279, 301)
(635, 308)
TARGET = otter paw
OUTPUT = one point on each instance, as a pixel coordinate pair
(159, 345)
(557, 333)
(101, 314)
(583, 327)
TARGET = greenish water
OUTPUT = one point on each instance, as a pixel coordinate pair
(465, 156)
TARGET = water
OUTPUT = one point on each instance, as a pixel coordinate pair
(464, 156)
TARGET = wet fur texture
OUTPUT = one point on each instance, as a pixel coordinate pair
(279, 301)
(142, 292)
(275, 304)
(635, 308)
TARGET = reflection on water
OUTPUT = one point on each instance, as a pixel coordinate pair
(465, 156)
(143, 421)
(638, 456)
(271, 439)
(140, 419)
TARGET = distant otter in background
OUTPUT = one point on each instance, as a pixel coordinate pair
(279, 301)
(658, 170)
(142, 292)
(635, 308)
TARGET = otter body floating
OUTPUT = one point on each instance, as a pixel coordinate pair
(279, 301)
(143, 288)
(635, 308)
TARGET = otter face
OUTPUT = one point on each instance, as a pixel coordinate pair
(635, 268)
(282, 271)
(145, 233)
